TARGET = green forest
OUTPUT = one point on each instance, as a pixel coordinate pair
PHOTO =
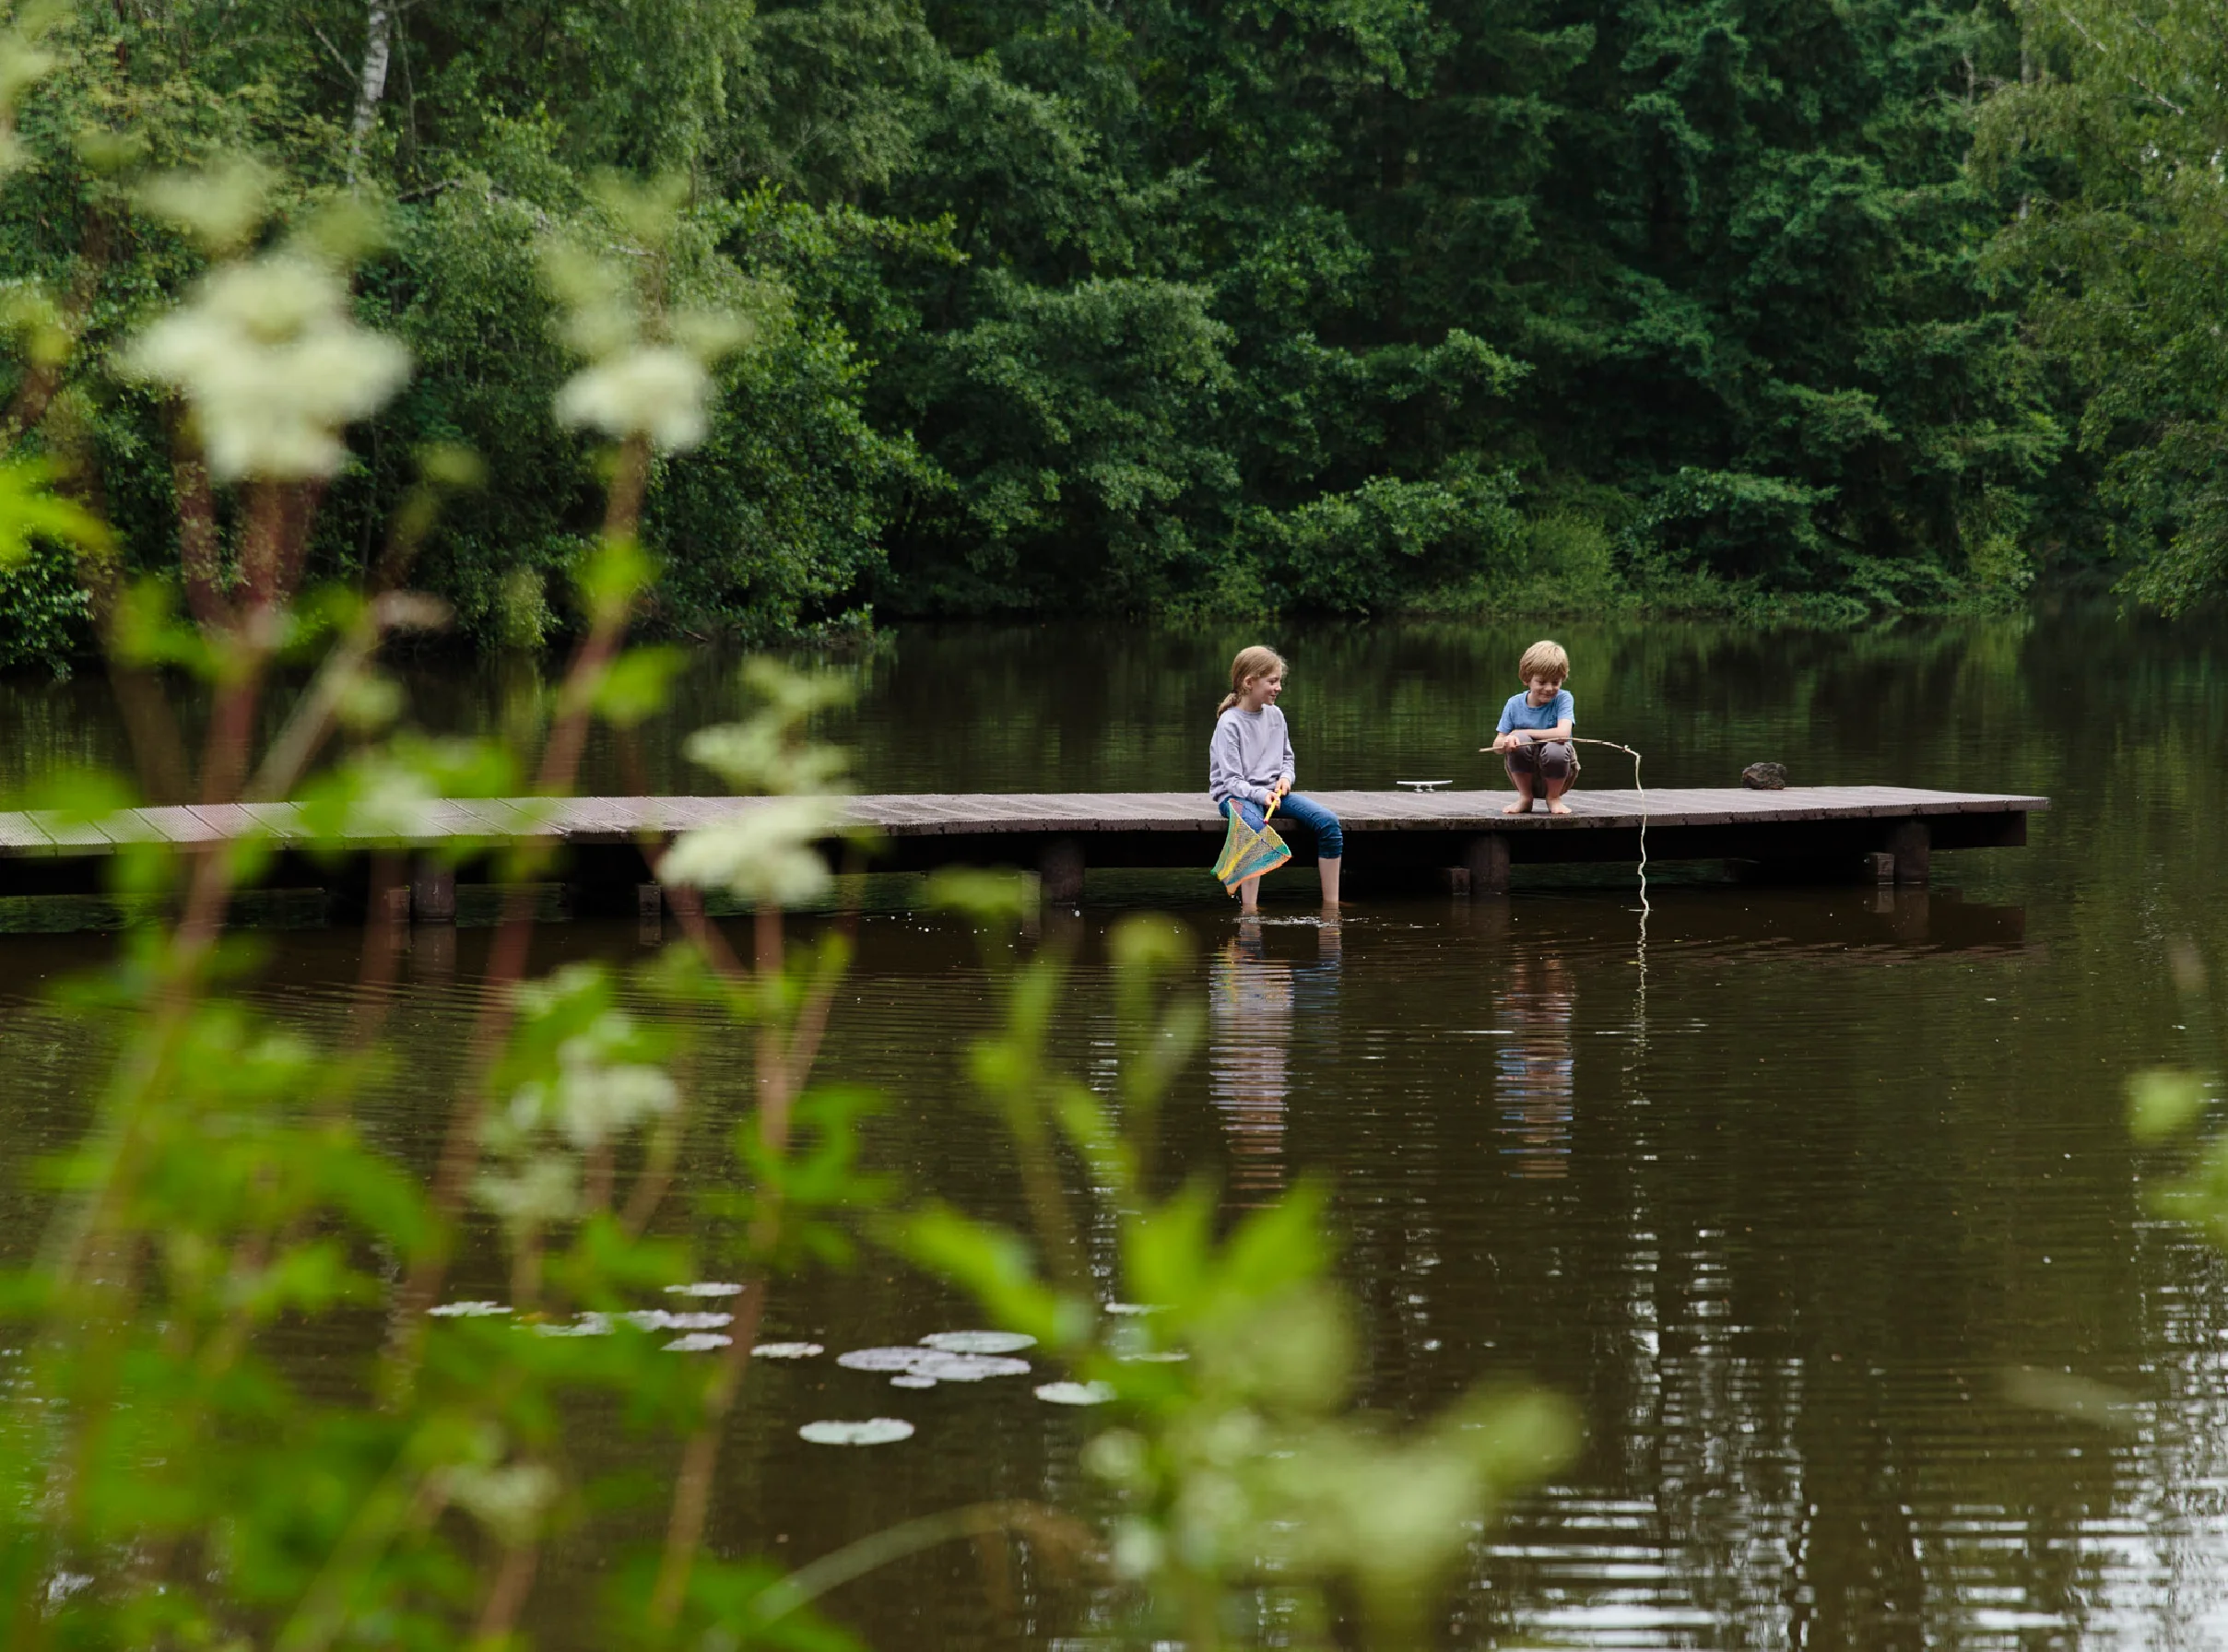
(1160, 308)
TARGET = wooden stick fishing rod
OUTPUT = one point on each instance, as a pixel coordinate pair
(1637, 786)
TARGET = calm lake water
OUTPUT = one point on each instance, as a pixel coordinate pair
(1778, 1187)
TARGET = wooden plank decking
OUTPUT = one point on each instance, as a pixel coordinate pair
(1017, 815)
(599, 838)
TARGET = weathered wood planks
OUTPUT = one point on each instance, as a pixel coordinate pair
(1020, 816)
(596, 846)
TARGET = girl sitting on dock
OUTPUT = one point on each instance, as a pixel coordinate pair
(1249, 763)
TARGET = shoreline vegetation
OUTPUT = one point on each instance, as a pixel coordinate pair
(1812, 317)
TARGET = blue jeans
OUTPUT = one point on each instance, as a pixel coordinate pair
(1330, 842)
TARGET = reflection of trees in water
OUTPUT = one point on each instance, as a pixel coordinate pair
(1255, 1002)
(1785, 1278)
(1535, 1070)
(1768, 1498)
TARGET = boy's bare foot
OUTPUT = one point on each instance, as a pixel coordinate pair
(1559, 808)
(1523, 806)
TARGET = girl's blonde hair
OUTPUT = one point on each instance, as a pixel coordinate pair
(1546, 659)
(1257, 661)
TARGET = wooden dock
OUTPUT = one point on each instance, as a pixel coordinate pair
(1886, 832)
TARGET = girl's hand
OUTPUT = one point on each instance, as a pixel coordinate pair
(1284, 785)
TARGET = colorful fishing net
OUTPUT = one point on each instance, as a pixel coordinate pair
(1247, 853)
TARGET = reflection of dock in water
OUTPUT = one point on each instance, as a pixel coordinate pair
(1763, 922)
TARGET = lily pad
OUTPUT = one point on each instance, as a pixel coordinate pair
(932, 1363)
(1076, 1393)
(705, 1287)
(1153, 1356)
(469, 1310)
(1126, 1308)
(875, 1431)
(911, 1379)
(883, 1359)
(978, 1342)
(698, 1342)
(658, 1319)
(786, 1350)
(587, 1325)
(967, 1367)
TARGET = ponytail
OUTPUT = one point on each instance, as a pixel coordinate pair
(1257, 661)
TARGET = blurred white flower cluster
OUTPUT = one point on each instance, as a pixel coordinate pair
(23, 63)
(649, 363)
(274, 365)
(581, 1075)
(768, 853)
(509, 1499)
(656, 392)
(597, 1093)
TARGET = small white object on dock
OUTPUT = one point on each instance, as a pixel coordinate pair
(1423, 786)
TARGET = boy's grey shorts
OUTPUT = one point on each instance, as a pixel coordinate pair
(1549, 760)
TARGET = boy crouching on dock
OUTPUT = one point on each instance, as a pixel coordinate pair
(1534, 735)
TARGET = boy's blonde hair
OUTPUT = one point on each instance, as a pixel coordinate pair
(1257, 661)
(1546, 659)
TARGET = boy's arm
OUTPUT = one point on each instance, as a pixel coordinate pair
(1562, 731)
(1563, 724)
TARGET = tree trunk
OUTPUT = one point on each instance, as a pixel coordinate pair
(378, 43)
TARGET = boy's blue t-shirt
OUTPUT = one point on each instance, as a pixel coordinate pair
(1520, 713)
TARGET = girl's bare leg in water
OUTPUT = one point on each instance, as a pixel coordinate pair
(1249, 895)
(1329, 870)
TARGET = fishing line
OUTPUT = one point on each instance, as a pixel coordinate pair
(1640, 1007)
(1644, 908)
(1640, 1004)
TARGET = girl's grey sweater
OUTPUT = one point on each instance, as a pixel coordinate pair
(1251, 751)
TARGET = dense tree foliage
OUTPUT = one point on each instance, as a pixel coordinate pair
(1159, 306)
(2117, 132)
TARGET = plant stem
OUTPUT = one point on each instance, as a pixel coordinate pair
(507, 1597)
(507, 957)
(1049, 1528)
(783, 1063)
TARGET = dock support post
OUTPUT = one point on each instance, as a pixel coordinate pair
(433, 893)
(1060, 867)
(1908, 911)
(653, 900)
(1486, 858)
(396, 900)
(433, 953)
(1912, 845)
